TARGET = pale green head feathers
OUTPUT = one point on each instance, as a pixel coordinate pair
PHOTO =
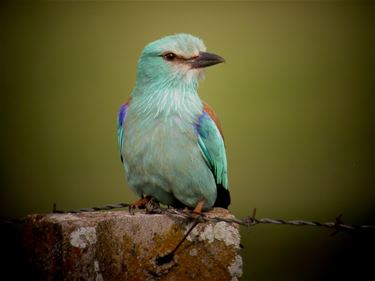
(174, 60)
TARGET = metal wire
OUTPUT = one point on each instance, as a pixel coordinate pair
(248, 221)
(106, 207)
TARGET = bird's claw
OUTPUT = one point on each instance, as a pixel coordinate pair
(152, 206)
(139, 204)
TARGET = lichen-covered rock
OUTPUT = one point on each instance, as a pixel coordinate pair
(119, 246)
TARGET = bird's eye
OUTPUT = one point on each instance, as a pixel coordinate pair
(169, 56)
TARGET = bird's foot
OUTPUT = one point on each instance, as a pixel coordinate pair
(139, 204)
(198, 208)
(153, 207)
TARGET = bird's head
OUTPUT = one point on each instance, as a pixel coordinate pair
(175, 59)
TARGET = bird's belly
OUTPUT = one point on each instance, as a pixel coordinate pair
(164, 161)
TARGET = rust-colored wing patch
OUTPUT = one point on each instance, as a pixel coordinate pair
(128, 101)
(208, 109)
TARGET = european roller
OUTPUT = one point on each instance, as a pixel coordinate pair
(171, 142)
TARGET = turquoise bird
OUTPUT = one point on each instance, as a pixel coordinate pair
(171, 142)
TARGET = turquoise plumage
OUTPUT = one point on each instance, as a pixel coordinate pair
(170, 141)
(211, 144)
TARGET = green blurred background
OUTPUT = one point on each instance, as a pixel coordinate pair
(295, 98)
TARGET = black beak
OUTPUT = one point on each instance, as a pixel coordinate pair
(205, 59)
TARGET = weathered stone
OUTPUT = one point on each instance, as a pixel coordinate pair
(119, 246)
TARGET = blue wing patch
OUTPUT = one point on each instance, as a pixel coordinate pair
(120, 127)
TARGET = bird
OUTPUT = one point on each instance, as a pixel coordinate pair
(171, 142)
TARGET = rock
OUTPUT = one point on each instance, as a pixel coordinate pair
(119, 246)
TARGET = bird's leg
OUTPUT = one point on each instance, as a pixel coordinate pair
(198, 208)
(140, 204)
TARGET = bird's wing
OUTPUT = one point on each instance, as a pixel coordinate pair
(120, 126)
(211, 144)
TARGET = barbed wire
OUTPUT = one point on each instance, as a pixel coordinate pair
(12, 221)
(247, 221)
(252, 220)
(106, 207)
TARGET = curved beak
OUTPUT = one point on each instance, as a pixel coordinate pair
(205, 59)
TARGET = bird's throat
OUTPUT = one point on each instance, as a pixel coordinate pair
(165, 101)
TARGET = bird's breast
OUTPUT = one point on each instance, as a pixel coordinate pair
(161, 138)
